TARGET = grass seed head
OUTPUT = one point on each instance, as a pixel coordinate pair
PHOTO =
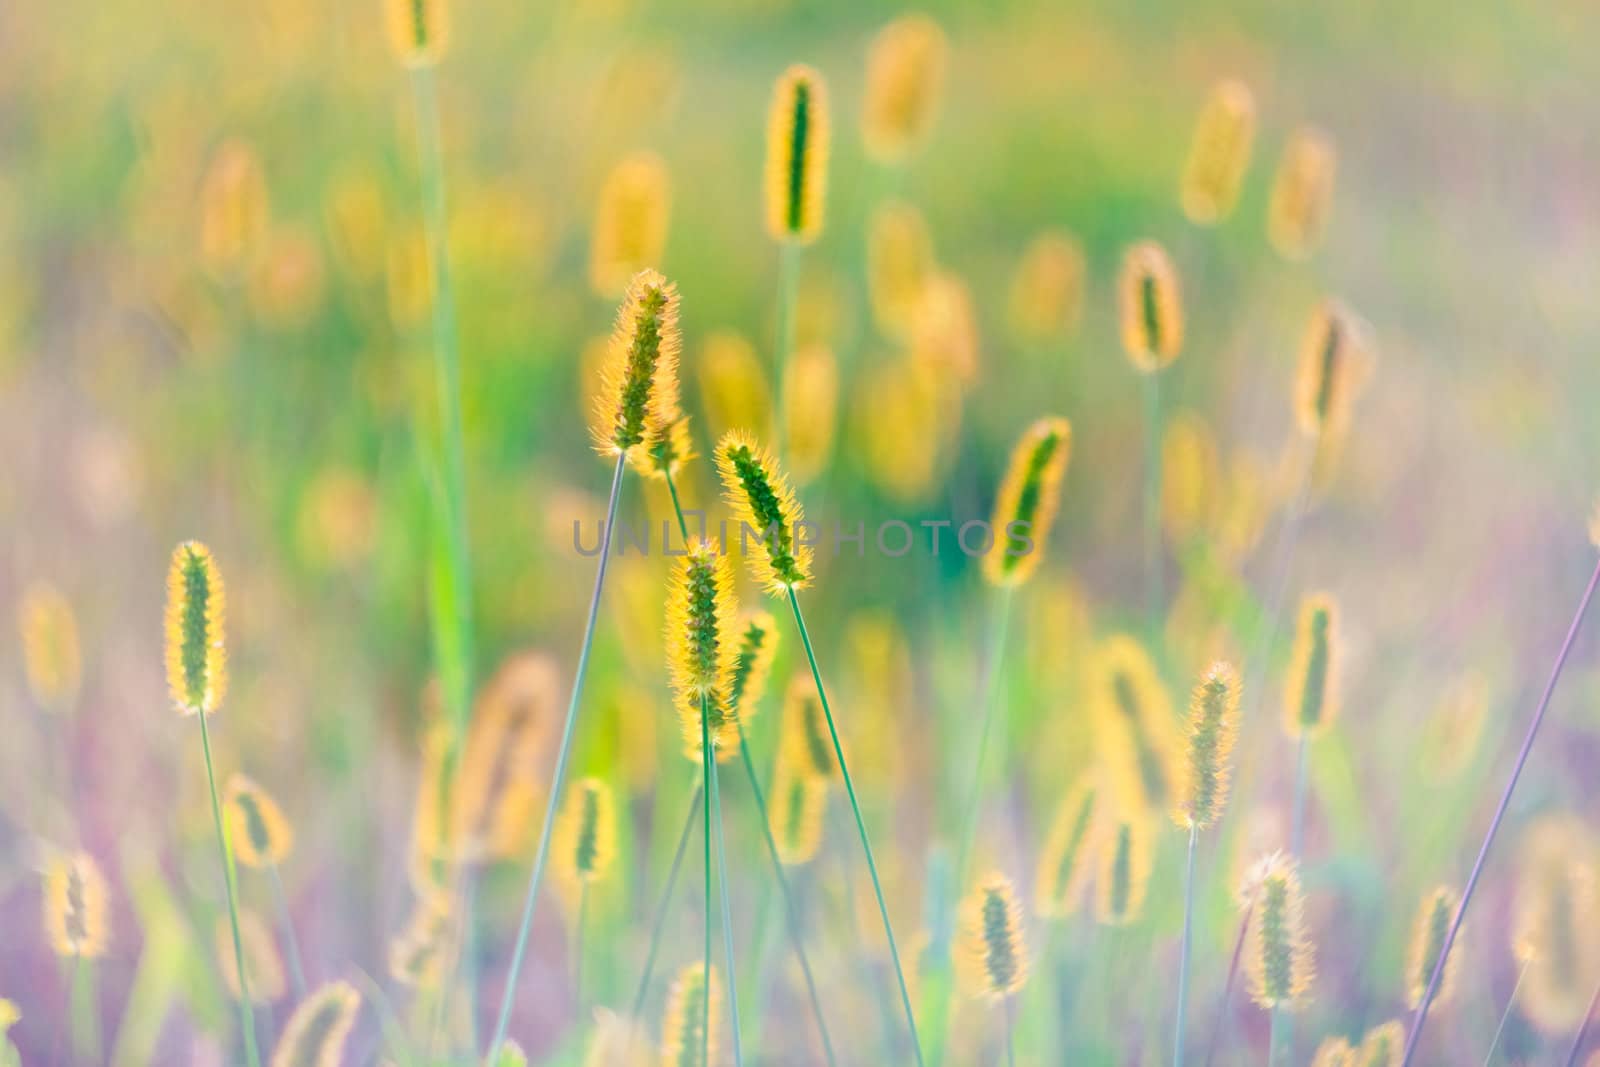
(799, 799)
(1066, 862)
(797, 156)
(1330, 358)
(1553, 928)
(257, 828)
(197, 659)
(419, 30)
(752, 665)
(1311, 695)
(685, 1039)
(806, 743)
(1127, 856)
(1302, 193)
(1384, 1046)
(587, 836)
(733, 384)
(425, 949)
(262, 964)
(900, 261)
(1150, 306)
(234, 210)
(665, 451)
(702, 643)
(1279, 957)
(767, 511)
(1046, 293)
(1135, 726)
(1427, 940)
(638, 394)
(76, 906)
(905, 78)
(1027, 502)
(513, 724)
(51, 658)
(1334, 1052)
(993, 955)
(630, 222)
(1219, 153)
(1192, 495)
(317, 1031)
(1213, 727)
(810, 411)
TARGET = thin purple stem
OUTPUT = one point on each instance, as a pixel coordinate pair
(1227, 987)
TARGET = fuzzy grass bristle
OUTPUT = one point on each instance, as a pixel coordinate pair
(1213, 727)
(257, 828)
(752, 665)
(586, 838)
(1333, 1052)
(52, 660)
(1432, 924)
(1302, 194)
(797, 156)
(197, 661)
(799, 800)
(702, 645)
(630, 222)
(638, 394)
(1134, 723)
(1325, 381)
(514, 720)
(1127, 857)
(1219, 153)
(1045, 299)
(76, 906)
(1384, 1046)
(993, 960)
(1279, 958)
(686, 1041)
(1026, 505)
(1150, 306)
(805, 742)
(905, 79)
(419, 30)
(316, 1033)
(1066, 862)
(262, 964)
(425, 948)
(733, 384)
(665, 451)
(1552, 928)
(767, 511)
(1311, 696)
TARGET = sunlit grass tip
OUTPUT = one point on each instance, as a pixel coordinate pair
(1219, 153)
(767, 512)
(317, 1031)
(419, 30)
(259, 832)
(1150, 307)
(1384, 1046)
(586, 838)
(1325, 383)
(752, 665)
(1066, 863)
(1127, 857)
(1213, 727)
(993, 956)
(630, 222)
(263, 966)
(666, 449)
(799, 801)
(638, 393)
(1026, 505)
(425, 949)
(77, 907)
(805, 742)
(797, 156)
(52, 660)
(1311, 695)
(1302, 194)
(685, 1039)
(1279, 959)
(1135, 726)
(702, 644)
(1433, 920)
(197, 662)
(905, 77)
(1334, 1052)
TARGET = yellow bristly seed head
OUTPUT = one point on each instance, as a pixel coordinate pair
(421, 953)
(1127, 856)
(797, 156)
(1070, 850)
(805, 742)
(1135, 725)
(419, 30)
(317, 1031)
(1213, 726)
(1427, 940)
(1334, 1052)
(1150, 306)
(702, 644)
(513, 724)
(1302, 193)
(257, 829)
(1026, 504)
(994, 957)
(752, 665)
(587, 837)
(1325, 382)
(1311, 697)
(196, 656)
(733, 385)
(432, 853)
(639, 377)
(810, 403)
(50, 654)
(262, 964)
(944, 330)
(1279, 957)
(1553, 928)
(1219, 153)
(234, 211)
(1384, 1046)
(630, 222)
(685, 1039)
(799, 799)
(665, 451)
(767, 511)
(1192, 495)
(1046, 296)
(905, 77)
(899, 264)
(76, 907)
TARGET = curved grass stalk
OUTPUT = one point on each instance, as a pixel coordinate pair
(1227, 987)
(861, 826)
(531, 897)
(715, 814)
(1183, 955)
(246, 1016)
(1415, 1035)
(705, 967)
(662, 908)
(1505, 1016)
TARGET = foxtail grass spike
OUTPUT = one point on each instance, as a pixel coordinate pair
(76, 906)
(993, 959)
(797, 156)
(799, 800)
(1127, 856)
(665, 451)
(1135, 725)
(1219, 153)
(1311, 695)
(586, 838)
(1302, 194)
(900, 262)
(316, 1033)
(810, 397)
(1382, 1047)
(1325, 381)
(424, 951)
(51, 658)
(1150, 307)
(235, 214)
(770, 520)
(1432, 922)
(419, 30)
(1066, 863)
(804, 743)
(263, 966)
(1333, 1052)
(1045, 300)
(1213, 727)
(702, 644)
(630, 222)
(1280, 960)
(687, 1039)
(1026, 505)
(197, 662)
(752, 665)
(905, 78)
(257, 829)
(638, 394)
